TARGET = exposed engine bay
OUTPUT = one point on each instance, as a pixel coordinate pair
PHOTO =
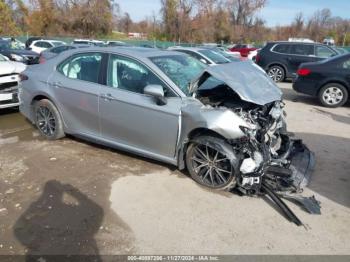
(272, 162)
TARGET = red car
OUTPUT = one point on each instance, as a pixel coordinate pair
(243, 49)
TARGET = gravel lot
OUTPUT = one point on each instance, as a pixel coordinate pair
(73, 197)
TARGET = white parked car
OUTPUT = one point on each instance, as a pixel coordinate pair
(40, 45)
(252, 54)
(9, 77)
(88, 42)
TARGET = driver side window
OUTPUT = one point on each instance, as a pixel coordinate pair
(128, 74)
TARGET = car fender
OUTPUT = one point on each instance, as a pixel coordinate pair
(278, 64)
(45, 95)
(329, 80)
(206, 119)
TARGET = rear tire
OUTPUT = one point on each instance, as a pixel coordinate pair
(276, 73)
(333, 95)
(48, 120)
(211, 163)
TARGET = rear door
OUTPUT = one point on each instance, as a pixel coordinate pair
(300, 53)
(76, 90)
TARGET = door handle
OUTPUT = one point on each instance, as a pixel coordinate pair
(56, 84)
(107, 96)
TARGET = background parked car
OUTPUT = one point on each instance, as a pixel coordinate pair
(40, 45)
(30, 40)
(329, 80)
(89, 42)
(252, 55)
(18, 54)
(54, 51)
(229, 56)
(243, 49)
(116, 43)
(9, 72)
(222, 48)
(14, 41)
(205, 55)
(281, 59)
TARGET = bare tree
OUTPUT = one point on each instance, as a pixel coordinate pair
(243, 11)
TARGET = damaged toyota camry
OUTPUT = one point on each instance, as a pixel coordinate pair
(225, 124)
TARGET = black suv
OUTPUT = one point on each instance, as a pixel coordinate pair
(281, 59)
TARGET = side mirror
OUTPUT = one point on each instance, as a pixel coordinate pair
(157, 92)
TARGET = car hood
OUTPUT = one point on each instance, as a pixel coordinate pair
(250, 83)
(9, 67)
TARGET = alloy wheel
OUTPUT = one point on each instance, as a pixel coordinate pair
(212, 167)
(276, 74)
(46, 121)
(333, 95)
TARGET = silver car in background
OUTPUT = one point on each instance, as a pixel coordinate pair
(224, 123)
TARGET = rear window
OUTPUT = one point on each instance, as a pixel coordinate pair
(324, 52)
(282, 48)
(84, 67)
(216, 57)
(302, 50)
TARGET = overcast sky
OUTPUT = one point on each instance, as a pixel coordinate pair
(277, 12)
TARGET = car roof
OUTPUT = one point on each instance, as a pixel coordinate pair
(127, 50)
(295, 42)
(187, 48)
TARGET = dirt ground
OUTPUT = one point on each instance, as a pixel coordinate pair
(73, 197)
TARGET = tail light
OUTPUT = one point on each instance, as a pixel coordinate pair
(41, 60)
(257, 58)
(303, 72)
(23, 77)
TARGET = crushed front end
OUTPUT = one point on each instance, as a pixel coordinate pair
(270, 160)
(269, 153)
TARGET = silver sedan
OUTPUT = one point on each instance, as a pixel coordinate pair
(224, 123)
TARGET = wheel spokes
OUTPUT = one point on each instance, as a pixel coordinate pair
(211, 166)
(46, 121)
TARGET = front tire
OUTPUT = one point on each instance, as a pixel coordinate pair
(276, 73)
(333, 95)
(211, 163)
(48, 120)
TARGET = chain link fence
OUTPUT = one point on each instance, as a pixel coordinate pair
(134, 42)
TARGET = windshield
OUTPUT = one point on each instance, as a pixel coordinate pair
(181, 69)
(227, 56)
(7, 45)
(216, 57)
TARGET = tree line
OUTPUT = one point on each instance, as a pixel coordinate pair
(193, 21)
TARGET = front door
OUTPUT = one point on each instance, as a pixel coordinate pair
(130, 118)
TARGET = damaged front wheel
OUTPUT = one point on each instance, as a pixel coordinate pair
(211, 162)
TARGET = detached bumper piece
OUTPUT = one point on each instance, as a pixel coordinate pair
(288, 175)
(278, 201)
(295, 175)
(293, 178)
